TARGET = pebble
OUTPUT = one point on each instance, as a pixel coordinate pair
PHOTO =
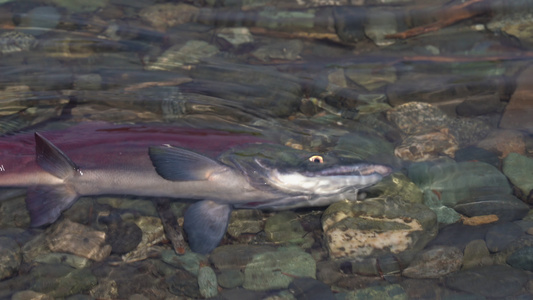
(519, 169)
(236, 36)
(476, 254)
(16, 41)
(74, 261)
(285, 228)
(391, 292)
(30, 295)
(189, 261)
(435, 263)
(60, 281)
(78, 239)
(427, 146)
(522, 259)
(349, 23)
(504, 142)
(415, 118)
(377, 226)
(473, 153)
(500, 236)
(163, 16)
(505, 207)
(10, 257)
(244, 221)
(517, 114)
(379, 23)
(123, 237)
(498, 281)
(236, 256)
(207, 282)
(276, 270)
(230, 279)
(306, 288)
(289, 50)
(40, 20)
(178, 56)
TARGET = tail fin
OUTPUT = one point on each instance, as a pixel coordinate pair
(46, 203)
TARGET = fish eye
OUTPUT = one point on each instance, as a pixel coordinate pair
(316, 159)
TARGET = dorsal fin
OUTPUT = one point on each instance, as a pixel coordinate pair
(178, 164)
(52, 159)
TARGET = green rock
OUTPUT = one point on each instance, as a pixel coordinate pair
(276, 270)
(377, 226)
(522, 259)
(78, 6)
(207, 282)
(60, 281)
(245, 221)
(230, 279)
(10, 257)
(189, 261)
(179, 55)
(397, 184)
(519, 170)
(445, 215)
(286, 20)
(285, 228)
(390, 292)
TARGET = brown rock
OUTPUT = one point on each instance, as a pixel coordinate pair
(163, 16)
(518, 112)
(427, 146)
(504, 142)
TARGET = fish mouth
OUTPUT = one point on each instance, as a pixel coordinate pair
(360, 169)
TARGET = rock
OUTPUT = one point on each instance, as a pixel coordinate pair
(502, 235)
(285, 228)
(504, 142)
(392, 292)
(365, 146)
(163, 16)
(189, 261)
(207, 282)
(152, 231)
(456, 183)
(87, 82)
(476, 254)
(30, 295)
(123, 237)
(377, 226)
(459, 235)
(496, 281)
(245, 221)
(374, 266)
(230, 279)
(328, 272)
(397, 184)
(519, 170)
(183, 283)
(479, 105)
(78, 239)
(16, 41)
(435, 263)
(10, 257)
(180, 55)
(276, 270)
(286, 20)
(379, 23)
(35, 247)
(427, 146)
(13, 213)
(60, 281)
(80, 6)
(371, 76)
(236, 256)
(310, 289)
(349, 23)
(473, 153)
(106, 289)
(40, 20)
(522, 259)
(286, 50)
(236, 36)
(506, 207)
(518, 112)
(74, 261)
(416, 118)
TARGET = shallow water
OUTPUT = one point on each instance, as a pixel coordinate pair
(438, 90)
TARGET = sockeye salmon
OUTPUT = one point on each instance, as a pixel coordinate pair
(220, 170)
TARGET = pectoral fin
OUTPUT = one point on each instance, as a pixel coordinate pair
(178, 164)
(205, 224)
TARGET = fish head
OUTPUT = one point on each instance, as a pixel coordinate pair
(318, 178)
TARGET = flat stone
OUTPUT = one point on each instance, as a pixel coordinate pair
(78, 239)
(163, 16)
(310, 289)
(276, 270)
(504, 142)
(207, 282)
(435, 263)
(230, 279)
(392, 292)
(244, 221)
(522, 259)
(377, 226)
(476, 254)
(428, 146)
(498, 281)
(502, 235)
(519, 169)
(30, 295)
(518, 112)
(505, 206)
(10, 257)
(285, 228)
(236, 256)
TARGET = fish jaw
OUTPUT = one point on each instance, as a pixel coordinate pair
(329, 181)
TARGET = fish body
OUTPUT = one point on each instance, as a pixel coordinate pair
(220, 170)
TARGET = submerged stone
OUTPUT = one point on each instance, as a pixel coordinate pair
(391, 292)
(78, 239)
(207, 282)
(377, 226)
(10, 257)
(435, 263)
(497, 281)
(522, 259)
(519, 169)
(276, 270)
(285, 228)
(505, 206)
